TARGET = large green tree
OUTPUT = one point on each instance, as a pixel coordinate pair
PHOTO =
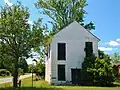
(100, 68)
(17, 37)
(63, 12)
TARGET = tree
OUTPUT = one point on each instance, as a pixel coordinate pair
(23, 65)
(88, 75)
(31, 68)
(20, 71)
(99, 68)
(104, 70)
(16, 36)
(6, 61)
(101, 54)
(40, 67)
(115, 58)
(63, 12)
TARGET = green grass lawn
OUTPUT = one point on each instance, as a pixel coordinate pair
(42, 85)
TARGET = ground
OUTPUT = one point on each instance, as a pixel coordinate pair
(42, 85)
(9, 79)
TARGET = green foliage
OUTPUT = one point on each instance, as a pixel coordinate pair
(89, 62)
(100, 69)
(6, 61)
(88, 69)
(17, 37)
(116, 72)
(31, 68)
(100, 54)
(40, 68)
(115, 58)
(23, 65)
(63, 12)
(20, 71)
(4, 72)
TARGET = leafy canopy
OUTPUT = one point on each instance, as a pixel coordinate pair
(63, 12)
(17, 36)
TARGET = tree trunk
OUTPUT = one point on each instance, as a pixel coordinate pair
(15, 76)
(15, 79)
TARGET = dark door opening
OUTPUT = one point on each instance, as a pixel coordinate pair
(61, 72)
(76, 76)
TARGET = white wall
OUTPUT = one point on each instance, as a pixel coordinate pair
(75, 37)
(48, 68)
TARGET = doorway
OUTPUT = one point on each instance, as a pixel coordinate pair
(76, 76)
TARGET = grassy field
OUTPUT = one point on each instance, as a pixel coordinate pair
(42, 85)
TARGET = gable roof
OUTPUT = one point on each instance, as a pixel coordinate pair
(93, 34)
(80, 26)
(50, 39)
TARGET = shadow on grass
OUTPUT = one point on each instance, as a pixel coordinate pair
(32, 88)
(103, 85)
(94, 85)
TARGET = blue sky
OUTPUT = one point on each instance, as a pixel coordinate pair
(104, 13)
(106, 16)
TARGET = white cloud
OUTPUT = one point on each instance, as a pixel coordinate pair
(118, 39)
(106, 49)
(114, 43)
(8, 2)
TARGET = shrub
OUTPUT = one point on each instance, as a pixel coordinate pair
(97, 70)
(4, 72)
(86, 78)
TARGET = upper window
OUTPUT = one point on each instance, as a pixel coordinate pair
(61, 51)
(88, 48)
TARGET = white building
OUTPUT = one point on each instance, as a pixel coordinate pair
(67, 52)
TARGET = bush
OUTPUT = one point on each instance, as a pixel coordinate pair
(104, 81)
(86, 78)
(97, 71)
(4, 72)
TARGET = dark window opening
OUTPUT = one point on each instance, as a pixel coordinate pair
(88, 48)
(61, 51)
(61, 72)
